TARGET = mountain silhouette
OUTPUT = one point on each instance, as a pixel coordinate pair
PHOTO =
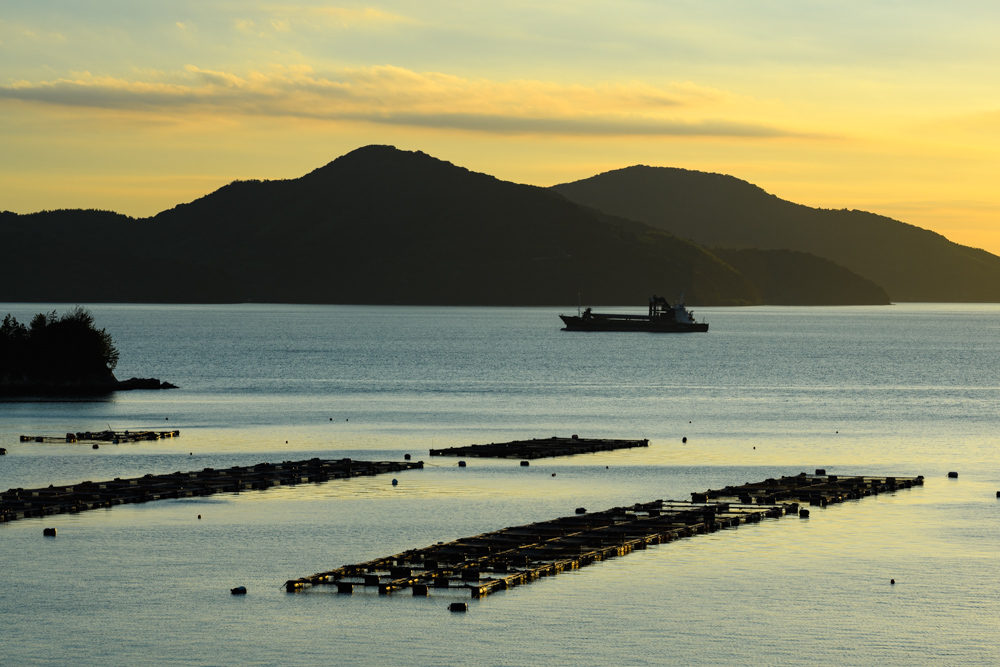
(80, 256)
(375, 226)
(791, 278)
(718, 211)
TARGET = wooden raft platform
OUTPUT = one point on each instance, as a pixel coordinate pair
(819, 489)
(25, 503)
(502, 559)
(114, 437)
(540, 448)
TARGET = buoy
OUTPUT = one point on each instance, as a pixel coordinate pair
(524, 464)
(461, 464)
(95, 446)
(406, 457)
(331, 418)
(166, 419)
(892, 581)
(395, 482)
(239, 590)
(191, 454)
(953, 475)
(803, 514)
(458, 606)
(684, 440)
(581, 510)
(49, 532)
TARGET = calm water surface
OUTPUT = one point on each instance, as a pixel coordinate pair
(901, 390)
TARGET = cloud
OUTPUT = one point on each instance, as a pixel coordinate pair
(398, 96)
(292, 18)
(346, 17)
(596, 125)
(246, 26)
(337, 16)
(983, 121)
(216, 79)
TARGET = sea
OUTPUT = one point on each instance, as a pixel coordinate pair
(901, 390)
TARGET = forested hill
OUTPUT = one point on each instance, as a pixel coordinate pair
(377, 226)
(79, 256)
(715, 210)
(792, 278)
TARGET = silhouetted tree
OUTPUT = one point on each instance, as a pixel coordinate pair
(13, 348)
(56, 349)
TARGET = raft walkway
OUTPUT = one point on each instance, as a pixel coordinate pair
(540, 448)
(499, 560)
(26, 503)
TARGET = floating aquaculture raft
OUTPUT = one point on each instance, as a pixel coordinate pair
(114, 437)
(819, 489)
(496, 561)
(540, 449)
(24, 503)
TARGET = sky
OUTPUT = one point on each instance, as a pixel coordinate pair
(137, 106)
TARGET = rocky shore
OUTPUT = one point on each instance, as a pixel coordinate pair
(79, 387)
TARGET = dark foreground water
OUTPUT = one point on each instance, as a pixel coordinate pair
(901, 390)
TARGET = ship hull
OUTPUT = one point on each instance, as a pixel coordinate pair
(630, 323)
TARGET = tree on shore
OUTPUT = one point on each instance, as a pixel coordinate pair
(54, 349)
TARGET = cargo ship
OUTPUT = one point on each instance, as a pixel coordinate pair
(662, 318)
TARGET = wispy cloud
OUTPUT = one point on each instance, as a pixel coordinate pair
(982, 121)
(347, 16)
(397, 96)
(293, 18)
(594, 125)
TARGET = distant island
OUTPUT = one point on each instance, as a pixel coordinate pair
(385, 226)
(61, 355)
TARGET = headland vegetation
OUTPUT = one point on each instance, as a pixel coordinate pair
(64, 354)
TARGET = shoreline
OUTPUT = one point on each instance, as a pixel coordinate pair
(29, 388)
